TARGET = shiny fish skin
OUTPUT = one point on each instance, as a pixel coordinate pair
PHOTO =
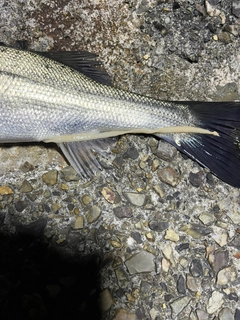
(45, 100)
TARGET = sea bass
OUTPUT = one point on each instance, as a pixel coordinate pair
(44, 97)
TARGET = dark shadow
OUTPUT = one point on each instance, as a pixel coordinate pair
(39, 280)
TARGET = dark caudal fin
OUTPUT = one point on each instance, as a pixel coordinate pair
(220, 154)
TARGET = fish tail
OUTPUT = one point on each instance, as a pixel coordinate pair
(219, 153)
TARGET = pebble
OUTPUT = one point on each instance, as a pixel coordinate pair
(86, 199)
(123, 314)
(218, 259)
(225, 314)
(191, 283)
(4, 190)
(202, 315)
(123, 212)
(26, 167)
(25, 187)
(122, 277)
(108, 194)
(158, 225)
(211, 10)
(206, 218)
(178, 305)
(78, 223)
(50, 177)
(131, 153)
(165, 265)
(136, 199)
(169, 175)
(196, 268)
(171, 235)
(20, 205)
(105, 300)
(226, 275)
(214, 302)
(141, 262)
(55, 207)
(69, 174)
(168, 253)
(236, 8)
(155, 164)
(196, 178)
(181, 285)
(159, 190)
(233, 29)
(165, 151)
(220, 236)
(93, 214)
(196, 230)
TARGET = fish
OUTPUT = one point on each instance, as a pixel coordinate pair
(65, 98)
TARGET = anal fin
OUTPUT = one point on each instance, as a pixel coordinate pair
(82, 155)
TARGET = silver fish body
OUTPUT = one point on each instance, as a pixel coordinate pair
(44, 100)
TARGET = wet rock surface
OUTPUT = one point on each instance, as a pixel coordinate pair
(154, 235)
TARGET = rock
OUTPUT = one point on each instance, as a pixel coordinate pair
(78, 223)
(168, 253)
(236, 8)
(181, 285)
(157, 225)
(20, 205)
(136, 199)
(26, 167)
(123, 212)
(225, 314)
(159, 190)
(169, 175)
(25, 187)
(220, 236)
(218, 259)
(178, 305)
(86, 199)
(93, 214)
(122, 277)
(196, 178)
(227, 275)
(171, 235)
(50, 177)
(191, 283)
(123, 314)
(165, 151)
(4, 190)
(202, 315)
(141, 262)
(214, 302)
(211, 10)
(70, 174)
(196, 230)
(105, 300)
(108, 194)
(206, 218)
(196, 268)
(165, 265)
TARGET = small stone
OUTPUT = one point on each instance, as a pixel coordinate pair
(225, 314)
(159, 190)
(236, 8)
(64, 186)
(93, 214)
(122, 277)
(154, 314)
(70, 174)
(169, 175)
(26, 167)
(168, 254)
(47, 194)
(191, 283)
(123, 212)
(179, 305)
(56, 207)
(4, 190)
(220, 236)
(115, 244)
(105, 300)
(224, 37)
(53, 290)
(131, 153)
(206, 218)
(165, 151)
(181, 285)
(196, 178)
(108, 194)
(211, 10)
(196, 268)
(150, 237)
(137, 199)
(158, 225)
(218, 259)
(233, 29)
(123, 314)
(226, 275)
(237, 314)
(214, 302)
(21, 205)
(171, 235)
(86, 199)
(26, 187)
(165, 265)
(78, 223)
(155, 164)
(202, 315)
(141, 262)
(50, 177)
(196, 230)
